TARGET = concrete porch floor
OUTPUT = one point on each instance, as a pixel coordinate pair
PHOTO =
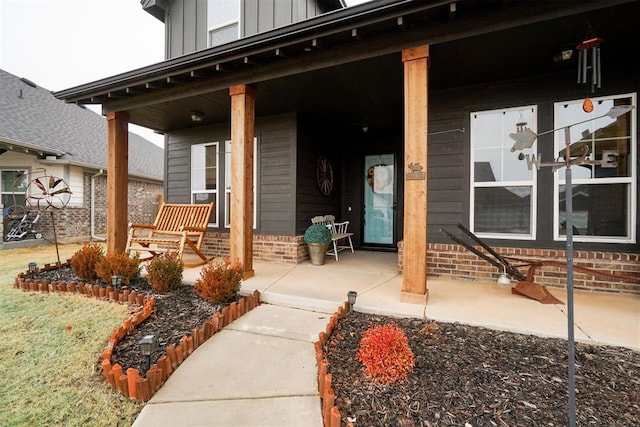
(600, 318)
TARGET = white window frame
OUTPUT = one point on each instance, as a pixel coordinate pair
(533, 183)
(559, 177)
(227, 183)
(3, 193)
(216, 192)
(216, 26)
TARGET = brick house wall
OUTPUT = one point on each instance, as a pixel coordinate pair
(287, 249)
(73, 224)
(453, 261)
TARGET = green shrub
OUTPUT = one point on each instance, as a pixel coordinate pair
(118, 264)
(164, 272)
(317, 233)
(385, 353)
(219, 281)
(85, 260)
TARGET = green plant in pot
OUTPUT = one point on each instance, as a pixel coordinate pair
(317, 237)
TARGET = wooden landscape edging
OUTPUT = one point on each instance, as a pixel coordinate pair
(130, 384)
(330, 413)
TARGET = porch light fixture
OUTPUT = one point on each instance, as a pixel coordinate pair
(351, 297)
(116, 280)
(503, 280)
(524, 138)
(563, 55)
(148, 345)
(32, 267)
(197, 116)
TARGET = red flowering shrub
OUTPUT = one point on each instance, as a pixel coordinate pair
(219, 282)
(385, 353)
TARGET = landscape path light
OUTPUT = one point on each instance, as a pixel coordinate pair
(148, 345)
(33, 268)
(351, 297)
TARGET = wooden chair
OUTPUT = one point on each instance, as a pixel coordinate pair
(339, 233)
(177, 227)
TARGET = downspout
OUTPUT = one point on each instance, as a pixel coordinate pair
(93, 207)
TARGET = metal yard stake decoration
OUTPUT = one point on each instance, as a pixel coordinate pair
(44, 193)
(524, 138)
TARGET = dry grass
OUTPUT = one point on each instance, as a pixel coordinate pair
(48, 351)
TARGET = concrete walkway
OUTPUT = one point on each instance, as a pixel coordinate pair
(261, 371)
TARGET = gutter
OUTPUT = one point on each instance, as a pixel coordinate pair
(93, 207)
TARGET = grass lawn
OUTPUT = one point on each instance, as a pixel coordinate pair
(49, 348)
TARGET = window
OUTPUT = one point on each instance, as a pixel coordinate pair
(13, 185)
(604, 192)
(222, 21)
(204, 176)
(503, 196)
(227, 182)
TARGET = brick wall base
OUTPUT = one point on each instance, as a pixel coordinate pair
(287, 249)
(455, 262)
(73, 223)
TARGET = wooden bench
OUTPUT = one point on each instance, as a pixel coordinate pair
(177, 227)
(339, 233)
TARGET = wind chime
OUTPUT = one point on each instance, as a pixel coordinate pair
(589, 66)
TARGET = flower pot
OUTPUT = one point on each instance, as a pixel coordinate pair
(317, 252)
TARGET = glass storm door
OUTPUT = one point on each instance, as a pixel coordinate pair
(379, 199)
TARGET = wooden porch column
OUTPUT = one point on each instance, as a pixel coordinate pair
(117, 180)
(414, 278)
(242, 134)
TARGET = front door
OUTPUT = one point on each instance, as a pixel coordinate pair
(379, 200)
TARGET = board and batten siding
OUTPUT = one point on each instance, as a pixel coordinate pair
(185, 27)
(258, 16)
(276, 170)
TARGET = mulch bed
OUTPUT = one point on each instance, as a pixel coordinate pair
(463, 375)
(475, 376)
(175, 315)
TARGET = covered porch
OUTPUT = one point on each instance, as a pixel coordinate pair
(600, 318)
(407, 72)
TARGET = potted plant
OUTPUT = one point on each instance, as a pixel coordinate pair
(317, 237)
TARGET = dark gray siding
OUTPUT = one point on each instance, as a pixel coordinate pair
(185, 27)
(448, 167)
(276, 170)
(276, 181)
(186, 21)
(178, 182)
(258, 16)
(312, 143)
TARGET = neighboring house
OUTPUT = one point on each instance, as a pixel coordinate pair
(380, 114)
(40, 133)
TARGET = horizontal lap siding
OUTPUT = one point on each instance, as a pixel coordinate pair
(449, 153)
(276, 204)
(445, 170)
(310, 202)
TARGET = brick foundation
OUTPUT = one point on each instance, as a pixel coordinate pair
(287, 249)
(455, 262)
(73, 223)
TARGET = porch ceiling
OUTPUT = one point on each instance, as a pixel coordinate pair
(346, 66)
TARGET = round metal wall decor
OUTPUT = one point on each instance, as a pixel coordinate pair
(324, 175)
